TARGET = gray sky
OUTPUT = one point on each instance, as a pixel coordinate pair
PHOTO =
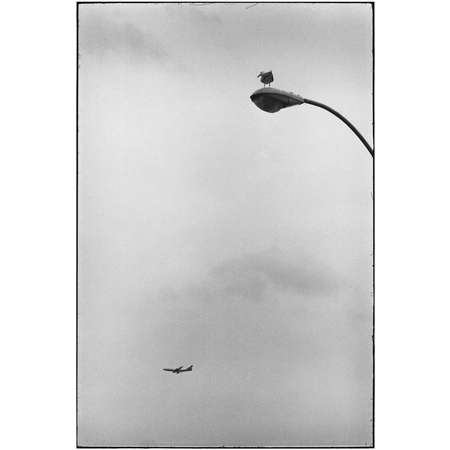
(214, 234)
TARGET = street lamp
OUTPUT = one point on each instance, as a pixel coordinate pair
(272, 100)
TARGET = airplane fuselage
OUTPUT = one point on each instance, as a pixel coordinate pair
(180, 369)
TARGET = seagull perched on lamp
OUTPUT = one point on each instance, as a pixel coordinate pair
(266, 77)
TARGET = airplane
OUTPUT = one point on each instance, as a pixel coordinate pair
(180, 369)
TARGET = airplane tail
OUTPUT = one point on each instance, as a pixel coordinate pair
(190, 367)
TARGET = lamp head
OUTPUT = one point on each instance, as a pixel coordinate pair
(272, 100)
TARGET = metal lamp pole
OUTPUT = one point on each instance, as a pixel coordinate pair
(272, 100)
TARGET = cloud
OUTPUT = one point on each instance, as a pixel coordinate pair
(202, 14)
(103, 35)
(258, 276)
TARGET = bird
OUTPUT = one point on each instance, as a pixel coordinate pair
(266, 77)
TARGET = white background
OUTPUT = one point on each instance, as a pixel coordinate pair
(37, 179)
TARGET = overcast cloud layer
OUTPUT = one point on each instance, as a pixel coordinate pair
(214, 234)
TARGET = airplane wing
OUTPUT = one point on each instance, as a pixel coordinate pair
(179, 368)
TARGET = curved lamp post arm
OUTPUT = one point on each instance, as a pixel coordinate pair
(346, 121)
(272, 100)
